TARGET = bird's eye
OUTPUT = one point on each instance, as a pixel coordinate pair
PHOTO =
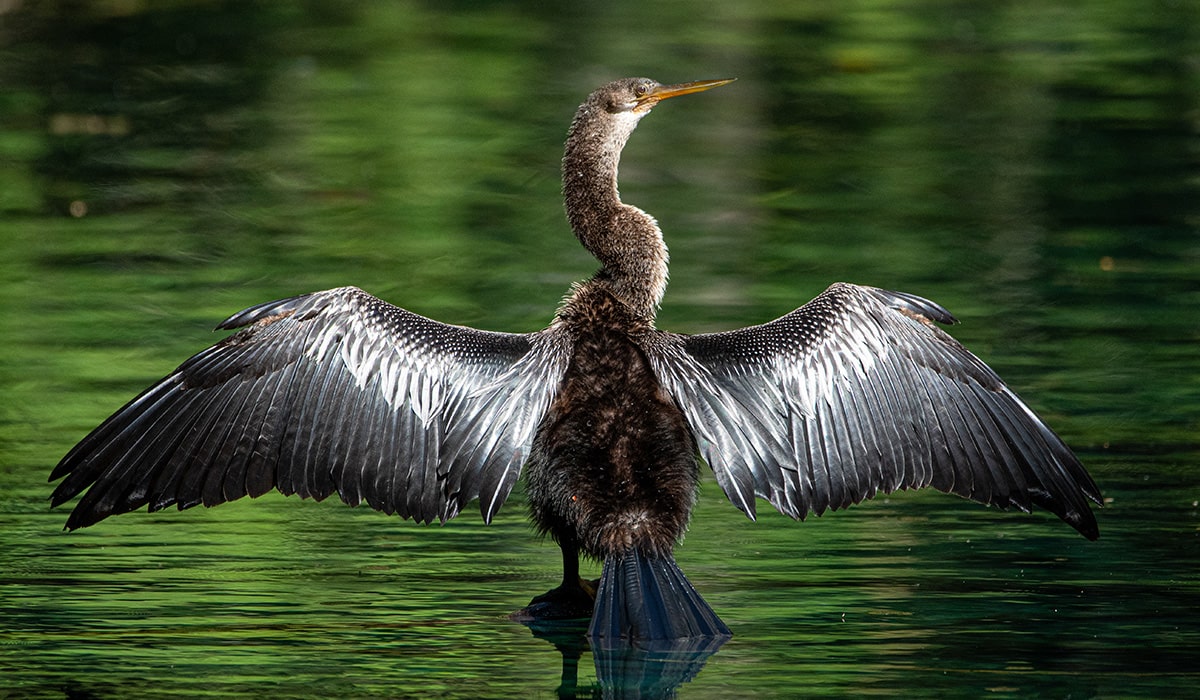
(641, 89)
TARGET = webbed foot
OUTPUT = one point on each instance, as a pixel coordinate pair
(569, 601)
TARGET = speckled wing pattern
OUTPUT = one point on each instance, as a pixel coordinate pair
(859, 392)
(330, 391)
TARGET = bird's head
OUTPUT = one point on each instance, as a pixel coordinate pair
(639, 95)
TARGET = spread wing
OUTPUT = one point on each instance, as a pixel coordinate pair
(856, 393)
(330, 391)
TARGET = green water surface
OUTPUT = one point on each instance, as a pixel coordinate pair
(1032, 166)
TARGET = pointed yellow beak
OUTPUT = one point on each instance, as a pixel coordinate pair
(663, 92)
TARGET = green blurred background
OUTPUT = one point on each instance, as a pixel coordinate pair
(1033, 166)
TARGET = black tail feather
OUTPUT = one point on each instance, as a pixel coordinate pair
(645, 597)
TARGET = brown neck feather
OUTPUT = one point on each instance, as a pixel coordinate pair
(625, 239)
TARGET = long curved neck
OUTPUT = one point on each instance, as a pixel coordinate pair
(625, 239)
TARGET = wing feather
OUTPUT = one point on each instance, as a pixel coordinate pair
(330, 391)
(856, 393)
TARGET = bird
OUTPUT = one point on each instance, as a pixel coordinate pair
(608, 418)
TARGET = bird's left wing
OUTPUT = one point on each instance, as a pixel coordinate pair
(330, 391)
(858, 392)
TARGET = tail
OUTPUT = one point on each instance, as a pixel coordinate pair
(647, 597)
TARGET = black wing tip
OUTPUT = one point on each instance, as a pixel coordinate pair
(88, 511)
(57, 499)
(1071, 507)
(81, 518)
(1084, 523)
(60, 470)
(68, 488)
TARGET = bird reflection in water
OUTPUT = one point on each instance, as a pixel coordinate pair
(858, 392)
(641, 669)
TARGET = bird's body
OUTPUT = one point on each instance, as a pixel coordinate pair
(855, 393)
(614, 464)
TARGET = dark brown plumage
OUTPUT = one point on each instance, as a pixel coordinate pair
(855, 393)
(614, 463)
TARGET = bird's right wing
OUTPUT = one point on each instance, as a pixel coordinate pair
(330, 391)
(857, 393)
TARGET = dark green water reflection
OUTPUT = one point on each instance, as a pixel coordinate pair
(1035, 167)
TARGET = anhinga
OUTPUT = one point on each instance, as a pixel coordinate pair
(855, 393)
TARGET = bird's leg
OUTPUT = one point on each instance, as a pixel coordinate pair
(571, 577)
(572, 599)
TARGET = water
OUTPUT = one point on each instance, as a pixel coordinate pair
(1031, 166)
